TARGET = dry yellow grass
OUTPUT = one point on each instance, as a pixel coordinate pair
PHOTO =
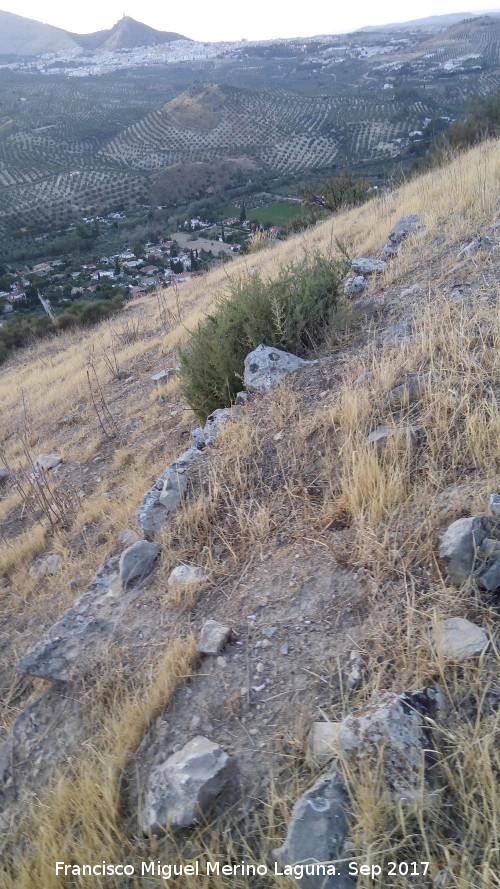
(318, 477)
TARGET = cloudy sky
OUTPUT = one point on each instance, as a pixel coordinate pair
(229, 20)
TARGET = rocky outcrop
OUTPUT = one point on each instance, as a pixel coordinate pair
(47, 461)
(185, 788)
(167, 494)
(266, 366)
(390, 732)
(355, 286)
(137, 561)
(407, 225)
(364, 266)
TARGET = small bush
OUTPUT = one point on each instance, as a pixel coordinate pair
(295, 312)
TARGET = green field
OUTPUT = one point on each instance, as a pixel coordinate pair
(277, 212)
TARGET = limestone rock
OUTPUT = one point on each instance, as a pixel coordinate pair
(173, 492)
(198, 438)
(364, 266)
(184, 575)
(66, 649)
(317, 833)
(46, 565)
(363, 378)
(323, 742)
(214, 422)
(161, 378)
(459, 639)
(265, 367)
(127, 537)
(355, 286)
(479, 243)
(489, 579)
(390, 730)
(137, 561)
(68, 420)
(407, 225)
(494, 504)
(406, 393)
(356, 670)
(458, 547)
(47, 461)
(152, 516)
(382, 434)
(213, 637)
(184, 788)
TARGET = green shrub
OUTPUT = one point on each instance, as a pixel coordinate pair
(295, 312)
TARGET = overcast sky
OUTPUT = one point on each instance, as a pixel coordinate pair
(230, 20)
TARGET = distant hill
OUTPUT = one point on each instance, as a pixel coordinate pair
(126, 34)
(26, 37)
(431, 21)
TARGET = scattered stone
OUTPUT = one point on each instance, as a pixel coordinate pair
(242, 398)
(265, 367)
(269, 631)
(76, 582)
(458, 547)
(494, 504)
(137, 561)
(184, 575)
(398, 333)
(184, 788)
(406, 393)
(409, 291)
(480, 243)
(453, 497)
(382, 434)
(366, 307)
(489, 579)
(323, 742)
(355, 286)
(161, 378)
(363, 266)
(459, 639)
(46, 565)
(390, 731)
(213, 637)
(317, 832)
(131, 424)
(283, 649)
(356, 670)
(406, 226)
(47, 461)
(364, 378)
(127, 537)
(67, 420)
(4, 476)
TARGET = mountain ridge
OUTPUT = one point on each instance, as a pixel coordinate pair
(21, 36)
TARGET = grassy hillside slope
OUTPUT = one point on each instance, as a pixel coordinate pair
(291, 478)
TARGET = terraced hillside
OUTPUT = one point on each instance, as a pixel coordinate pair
(72, 144)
